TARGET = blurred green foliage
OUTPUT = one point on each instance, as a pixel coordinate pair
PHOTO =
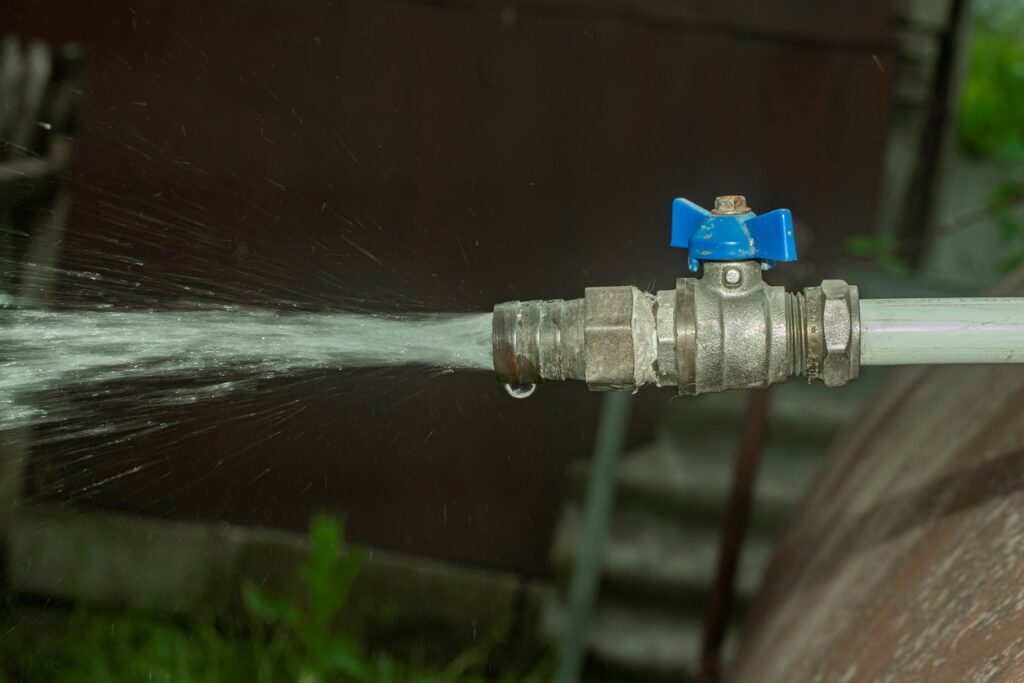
(990, 123)
(303, 636)
(1006, 210)
(286, 640)
(880, 249)
(990, 128)
(991, 116)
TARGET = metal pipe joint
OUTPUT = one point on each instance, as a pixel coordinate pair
(725, 330)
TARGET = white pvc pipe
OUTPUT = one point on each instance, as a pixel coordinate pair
(927, 331)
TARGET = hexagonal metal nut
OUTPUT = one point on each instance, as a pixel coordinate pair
(608, 338)
(841, 327)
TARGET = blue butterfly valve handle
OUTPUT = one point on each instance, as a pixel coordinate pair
(727, 329)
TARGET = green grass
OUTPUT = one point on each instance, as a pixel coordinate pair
(282, 640)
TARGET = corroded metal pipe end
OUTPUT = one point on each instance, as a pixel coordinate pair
(534, 341)
(512, 365)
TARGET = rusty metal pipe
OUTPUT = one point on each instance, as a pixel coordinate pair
(721, 601)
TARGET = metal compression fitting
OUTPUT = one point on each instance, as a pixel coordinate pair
(728, 329)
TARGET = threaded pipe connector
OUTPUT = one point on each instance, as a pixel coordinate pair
(796, 332)
(823, 332)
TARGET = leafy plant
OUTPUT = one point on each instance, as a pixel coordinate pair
(306, 632)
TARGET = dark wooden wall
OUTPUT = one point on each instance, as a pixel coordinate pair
(431, 156)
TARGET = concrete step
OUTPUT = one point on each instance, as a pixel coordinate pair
(693, 482)
(671, 495)
(648, 645)
(659, 561)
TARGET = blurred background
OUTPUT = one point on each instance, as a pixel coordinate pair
(412, 156)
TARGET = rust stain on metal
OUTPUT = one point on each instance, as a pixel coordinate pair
(906, 559)
(730, 205)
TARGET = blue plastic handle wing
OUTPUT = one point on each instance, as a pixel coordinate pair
(773, 235)
(767, 237)
(687, 218)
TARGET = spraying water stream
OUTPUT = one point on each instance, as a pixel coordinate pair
(43, 351)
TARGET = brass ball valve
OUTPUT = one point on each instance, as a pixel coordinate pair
(727, 329)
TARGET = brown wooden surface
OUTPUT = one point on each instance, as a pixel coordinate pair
(905, 562)
(445, 156)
